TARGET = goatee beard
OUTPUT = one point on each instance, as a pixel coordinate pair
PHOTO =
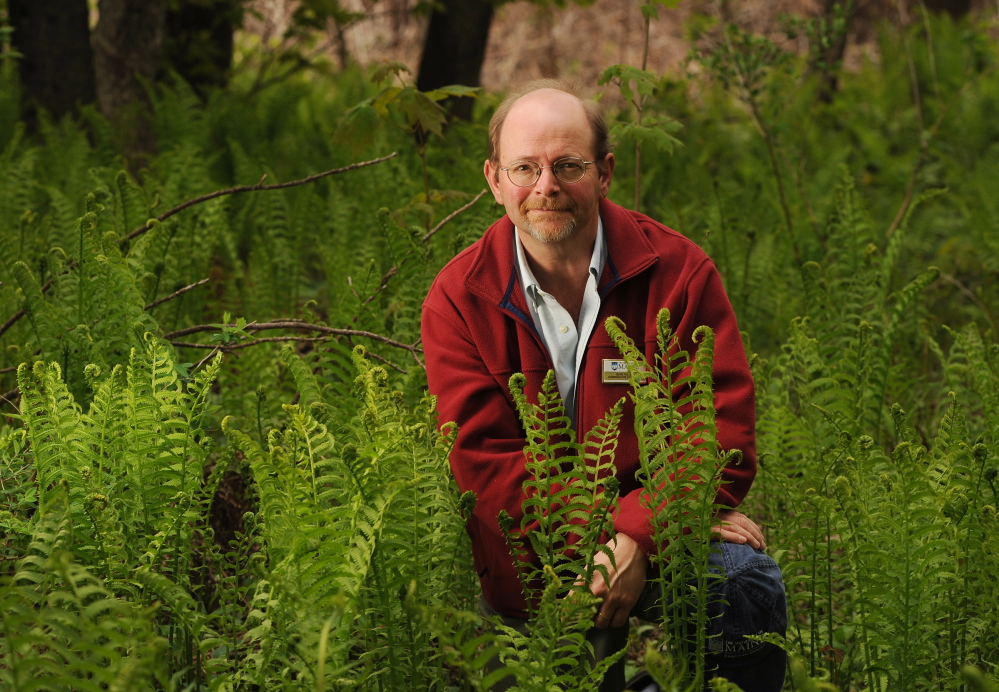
(554, 234)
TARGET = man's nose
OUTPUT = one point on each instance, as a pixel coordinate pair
(548, 184)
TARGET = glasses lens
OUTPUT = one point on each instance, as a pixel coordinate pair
(569, 170)
(524, 173)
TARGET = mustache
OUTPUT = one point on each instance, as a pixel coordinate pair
(548, 204)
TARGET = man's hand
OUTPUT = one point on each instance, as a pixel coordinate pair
(624, 584)
(736, 527)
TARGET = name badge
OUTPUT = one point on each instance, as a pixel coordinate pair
(614, 371)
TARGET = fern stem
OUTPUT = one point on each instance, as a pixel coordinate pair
(813, 609)
(829, 589)
(382, 588)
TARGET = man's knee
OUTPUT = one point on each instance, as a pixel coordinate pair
(745, 597)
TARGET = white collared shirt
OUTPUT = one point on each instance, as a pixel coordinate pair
(560, 335)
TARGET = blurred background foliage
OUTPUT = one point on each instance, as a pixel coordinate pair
(838, 164)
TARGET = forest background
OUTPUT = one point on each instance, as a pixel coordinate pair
(217, 224)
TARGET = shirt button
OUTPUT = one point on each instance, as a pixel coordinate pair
(563, 329)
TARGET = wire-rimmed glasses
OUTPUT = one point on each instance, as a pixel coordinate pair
(525, 173)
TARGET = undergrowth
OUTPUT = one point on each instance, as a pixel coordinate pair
(282, 516)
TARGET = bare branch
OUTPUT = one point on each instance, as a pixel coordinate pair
(272, 339)
(205, 359)
(294, 324)
(383, 284)
(452, 215)
(11, 322)
(20, 313)
(386, 361)
(175, 294)
(11, 396)
(252, 188)
(245, 344)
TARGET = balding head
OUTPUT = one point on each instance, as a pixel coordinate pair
(594, 115)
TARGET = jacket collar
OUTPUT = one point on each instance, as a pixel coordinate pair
(493, 274)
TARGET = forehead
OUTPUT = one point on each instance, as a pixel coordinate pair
(546, 124)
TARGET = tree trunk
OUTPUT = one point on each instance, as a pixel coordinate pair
(956, 8)
(455, 48)
(57, 68)
(199, 40)
(128, 47)
(128, 50)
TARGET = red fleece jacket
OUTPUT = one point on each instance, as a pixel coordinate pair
(477, 331)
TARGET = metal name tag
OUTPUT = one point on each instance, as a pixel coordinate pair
(614, 371)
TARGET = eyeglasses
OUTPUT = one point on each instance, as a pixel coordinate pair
(526, 173)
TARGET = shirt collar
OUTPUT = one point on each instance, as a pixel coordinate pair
(531, 288)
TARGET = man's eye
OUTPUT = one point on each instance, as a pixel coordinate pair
(522, 168)
(569, 166)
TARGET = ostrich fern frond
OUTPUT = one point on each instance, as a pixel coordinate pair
(64, 630)
(680, 471)
(570, 495)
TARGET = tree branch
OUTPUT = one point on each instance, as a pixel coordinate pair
(271, 339)
(252, 188)
(11, 396)
(20, 313)
(292, 324)
(383, 284)
(175, 294)
(430, 234)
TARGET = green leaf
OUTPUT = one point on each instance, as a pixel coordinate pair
(656, 136)
(453, 90)
(356, 130)
(389, 70)
(421, 111)
(645, 81)
(384, 99)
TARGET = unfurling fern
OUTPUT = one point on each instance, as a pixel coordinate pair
(569, 498)
(128, 476)
(681, 468)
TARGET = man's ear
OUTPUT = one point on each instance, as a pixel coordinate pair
(607, 172)
(492, 177)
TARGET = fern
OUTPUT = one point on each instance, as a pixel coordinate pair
(348, 521)
(349, 499)
(53, 421)
(64, 630)
(680, 472)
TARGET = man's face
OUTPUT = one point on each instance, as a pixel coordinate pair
(543, 127)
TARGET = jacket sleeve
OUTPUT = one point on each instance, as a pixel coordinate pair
(488, 455)
(705, 303)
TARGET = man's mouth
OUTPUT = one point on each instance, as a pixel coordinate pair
(548, 207)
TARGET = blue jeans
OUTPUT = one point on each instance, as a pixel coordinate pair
(746, 597)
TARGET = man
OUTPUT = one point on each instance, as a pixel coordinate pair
(532, 295)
